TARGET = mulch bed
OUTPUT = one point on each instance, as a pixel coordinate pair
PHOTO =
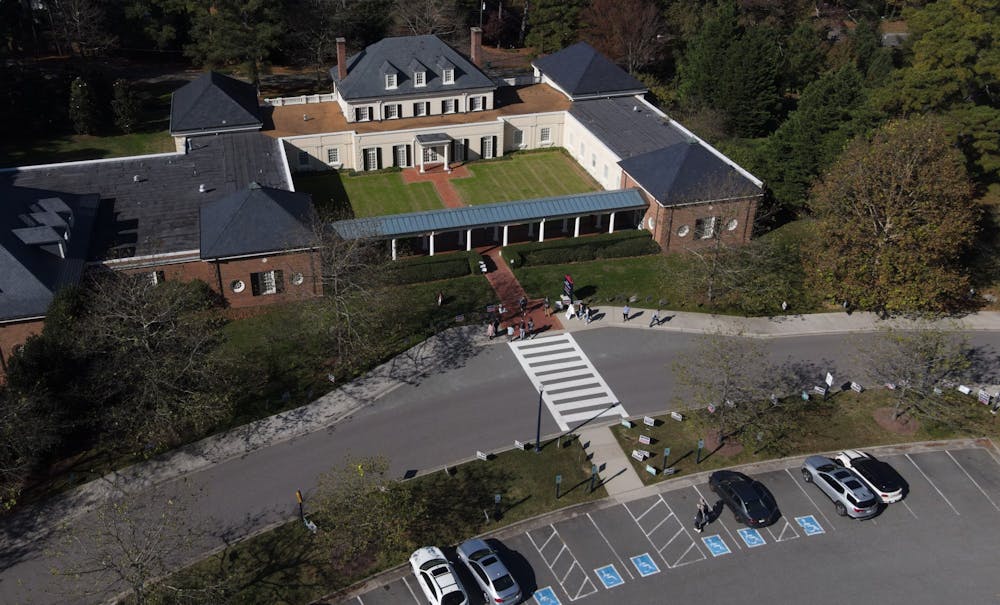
(904, 425)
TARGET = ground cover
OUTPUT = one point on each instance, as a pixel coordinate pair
(287, 565)
(524, 176)
(365, 195)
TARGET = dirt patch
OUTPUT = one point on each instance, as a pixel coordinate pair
(731, 447)
(904, 425)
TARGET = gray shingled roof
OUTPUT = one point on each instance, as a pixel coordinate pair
(31, 269)
(366, 70)
(487, 215)
(582, 72)
(159, 214)
(687, 172)
(256, 220)
(214, 102)
(626, 125)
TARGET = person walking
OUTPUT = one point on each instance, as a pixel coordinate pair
(586, 315)
(626, 312)
(510, 333)
(531, 328)
(570, 312)
(490, 330)
(701, 517)
(523, 303)
(655, 319)
(520, 334)
(440, 298)
(547, 306)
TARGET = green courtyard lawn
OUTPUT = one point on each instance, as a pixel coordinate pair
(524, 176)
(367, 194)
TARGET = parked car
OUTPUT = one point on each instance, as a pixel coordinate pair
(843, 486)
(881, 478)
(491, 574)
(750, 501)
(437, 577)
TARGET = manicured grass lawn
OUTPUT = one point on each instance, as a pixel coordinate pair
(524, 176)
(286, 565)
(368, 194)
(70, 148)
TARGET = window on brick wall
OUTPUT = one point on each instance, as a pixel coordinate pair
(704, 228)
(267, 282)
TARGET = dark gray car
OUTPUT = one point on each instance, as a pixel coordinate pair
(491, 574)
(843, 486)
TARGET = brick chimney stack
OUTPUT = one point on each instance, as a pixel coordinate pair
(341, 58)
(476, 47)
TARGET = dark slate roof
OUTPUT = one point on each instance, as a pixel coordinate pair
(256, 220)
(687, 172)
(628, 126)
(214, 102)
(366, 70)
(34, 222)
(158, 214)
(581, 72)
(487, 215)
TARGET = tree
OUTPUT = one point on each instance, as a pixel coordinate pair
(83, 107)
(28, 431)
(421, 17)
(79, 26)
(706, 55)
(923, 364)
(805, 56)
(626, 31)
(125, 106)
(748, 91)
(236, 32)
(895, 216)
(553, 24)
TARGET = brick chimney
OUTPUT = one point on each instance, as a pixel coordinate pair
(476, 46)
(341, 58)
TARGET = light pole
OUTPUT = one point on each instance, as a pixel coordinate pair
(482, 7)
(538, 426)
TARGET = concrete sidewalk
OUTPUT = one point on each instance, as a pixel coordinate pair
(616, 471)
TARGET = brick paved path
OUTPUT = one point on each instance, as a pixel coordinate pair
(441, 181)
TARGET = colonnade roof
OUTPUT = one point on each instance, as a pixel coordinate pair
(489, 215)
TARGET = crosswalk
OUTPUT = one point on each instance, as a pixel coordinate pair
(572, 389)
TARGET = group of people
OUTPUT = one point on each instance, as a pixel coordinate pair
(514, 329)
(579, 311)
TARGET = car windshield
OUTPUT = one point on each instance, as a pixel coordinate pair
(439, 571)
(503, 582)
(432, 563)
(453, 598)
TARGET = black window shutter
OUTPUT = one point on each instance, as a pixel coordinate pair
(427, 107)
(370, 110)
(279, 281)
(493, 152)
(409, 156)
(465, 149)
(415, 110)
(255, 284)
(378, 158)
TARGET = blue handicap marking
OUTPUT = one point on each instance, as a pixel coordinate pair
(716, 545)
(810, 525)
(645, 565)
(751, 536)
(546, 596)
(609, 576)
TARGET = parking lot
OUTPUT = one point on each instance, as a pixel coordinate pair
(935, 546)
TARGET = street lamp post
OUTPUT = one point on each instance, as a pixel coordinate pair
(538, 426)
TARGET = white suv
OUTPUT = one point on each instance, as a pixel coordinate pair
(437, 577)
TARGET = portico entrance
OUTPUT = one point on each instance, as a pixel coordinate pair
(434, 148)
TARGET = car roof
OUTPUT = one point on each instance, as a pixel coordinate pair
(472, 545)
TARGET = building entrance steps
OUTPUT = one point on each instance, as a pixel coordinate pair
(614, 468)
(509, 293)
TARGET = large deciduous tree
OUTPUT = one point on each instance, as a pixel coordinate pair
(624, 30)
(421, 17)
(895, 217)
(236, 32)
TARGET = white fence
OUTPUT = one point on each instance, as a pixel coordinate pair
(516, 80)
(301, 100)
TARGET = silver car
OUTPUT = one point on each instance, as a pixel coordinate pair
(848, 491)
(491, 574)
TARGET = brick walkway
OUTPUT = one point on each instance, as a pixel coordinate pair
(509, 292)
(441, 181)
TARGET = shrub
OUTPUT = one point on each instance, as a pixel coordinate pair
(575, 250)
(433, 268)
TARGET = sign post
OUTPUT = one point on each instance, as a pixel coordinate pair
(538, 425)
(496, 507)
(701, 445)
(298, 496)
(558, 483)
(593, 476)
(666, 454)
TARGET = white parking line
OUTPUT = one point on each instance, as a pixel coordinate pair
(573, 566)
(412, 594)
(909, 509)
(940, 493)
(359, 600)
(620, 560)
(651, 507)
(719, 518)
(973, 480)
(818, 509)
(781, 535)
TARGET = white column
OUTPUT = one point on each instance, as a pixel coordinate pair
(505, 235)
(393, 248)
(468, 240)
(419, 149)
(447, 165)
(576, 228)
(432, 244)
(565, 223)
(611, 223)
(541, 231)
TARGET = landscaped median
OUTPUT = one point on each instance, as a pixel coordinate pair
(290, 565)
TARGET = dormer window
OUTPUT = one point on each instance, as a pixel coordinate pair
(390, 81)
(419, 78)
(448, 76)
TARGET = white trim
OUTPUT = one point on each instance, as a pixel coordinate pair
(195, 133)
(604, 95)
(21, 319)
(284, 162)
(258, 254)
(148, 257)
(88, 162)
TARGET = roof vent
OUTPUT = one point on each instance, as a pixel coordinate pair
(202, 188)
(635, 108)
(136, 178)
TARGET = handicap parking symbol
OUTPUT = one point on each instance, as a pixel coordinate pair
(716, 545)
(810, 525)
(609, 576)
(645, 565)
(751, 536)
(546, 596)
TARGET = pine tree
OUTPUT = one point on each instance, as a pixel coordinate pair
(82, 107)
(125, 106)
(553, 24)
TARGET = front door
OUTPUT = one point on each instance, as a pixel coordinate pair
(430, 154)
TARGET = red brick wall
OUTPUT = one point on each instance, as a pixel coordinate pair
(12, 335)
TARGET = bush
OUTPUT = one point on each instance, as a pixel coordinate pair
(575, 250)
(433, 268)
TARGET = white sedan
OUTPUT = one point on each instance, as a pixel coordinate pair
(437, 577)
(881, 478)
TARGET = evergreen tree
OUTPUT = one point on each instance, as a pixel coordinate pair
(553, 24)
(124, 106)
(748, 91)
(82, 107)
(706, 53)
(805, 56)
(236, 32)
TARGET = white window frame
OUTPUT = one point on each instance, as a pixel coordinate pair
(333, 155)
(430, 154)
(518, 138)
(420, 108)
(487, 143)
(419, 79)
(545, 134)
(704, 228)
(370, 158)
(391, 111)
(397, 150)
(447, 76)
(449, 106)
(365, 114)
(476, 103)
(268, 283)
(390, 81)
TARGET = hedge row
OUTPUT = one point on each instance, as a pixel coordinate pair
(574, 250)
(433, 268)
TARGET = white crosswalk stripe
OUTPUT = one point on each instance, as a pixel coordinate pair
(572, 389)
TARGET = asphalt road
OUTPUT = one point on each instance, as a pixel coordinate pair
(483, 405)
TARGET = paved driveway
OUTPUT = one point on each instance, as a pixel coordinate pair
(936, 546)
